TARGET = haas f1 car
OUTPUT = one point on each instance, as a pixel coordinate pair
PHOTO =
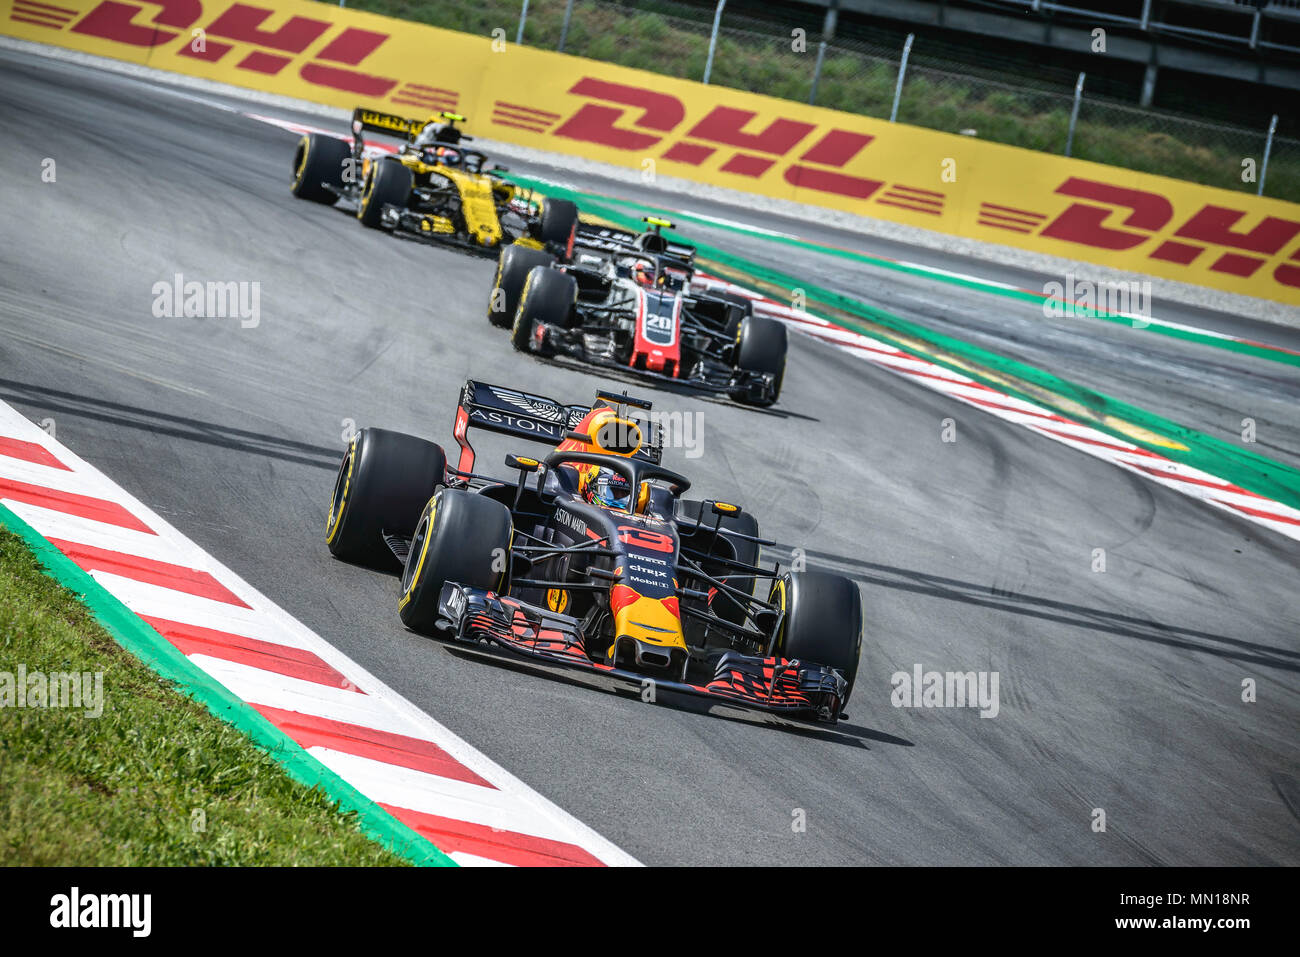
(593, 558)
(625, 300)
(433, 188)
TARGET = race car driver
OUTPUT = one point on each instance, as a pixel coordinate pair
(604, 487)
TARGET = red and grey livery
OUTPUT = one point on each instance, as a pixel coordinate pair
(625, 300)
(666, 590)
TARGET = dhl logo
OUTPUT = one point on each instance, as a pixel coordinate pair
(1044, 203)
(747, 144)
(1111, 217)
(640, 120)
(237, 34)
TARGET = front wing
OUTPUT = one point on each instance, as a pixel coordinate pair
(741, 384)
(793, 688)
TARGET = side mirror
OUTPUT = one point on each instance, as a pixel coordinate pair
(725, 508)
(523, 463)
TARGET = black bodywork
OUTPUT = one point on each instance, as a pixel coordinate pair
(569, 557)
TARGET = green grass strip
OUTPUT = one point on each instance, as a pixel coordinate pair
(967, 282)
(1249, 470)
(157, 760)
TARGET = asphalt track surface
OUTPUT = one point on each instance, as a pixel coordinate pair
(1207, 388)
(1120, 690)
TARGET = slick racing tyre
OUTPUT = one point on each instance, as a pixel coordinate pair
(513, 267)
(823, 621)
(388, 183)
(742, 309)
(689, 511)
(318, 163)
(761, 347)
(547, 299)
(463, 538)
(383, 482)
(558, 226)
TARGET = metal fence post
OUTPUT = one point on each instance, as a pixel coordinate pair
(523, 18)
(902, 69)
(1268, 148)
(1148, 93)
(828, 34)
(713, 39)
(564, 29)
(1074, 114)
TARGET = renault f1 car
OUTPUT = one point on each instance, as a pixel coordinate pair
(593, 558)
(433, 188)
(625, 300)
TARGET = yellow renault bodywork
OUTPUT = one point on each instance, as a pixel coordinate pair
(479, 196)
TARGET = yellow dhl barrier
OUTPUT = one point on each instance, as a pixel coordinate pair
(952, 184)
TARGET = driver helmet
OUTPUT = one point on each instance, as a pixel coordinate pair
(435, 131)
(644, 273)
(605, 487)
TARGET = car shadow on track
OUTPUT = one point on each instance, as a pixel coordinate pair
(174, 426)
(1049, 609)
(843, 733)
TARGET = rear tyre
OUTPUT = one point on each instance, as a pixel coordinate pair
(723, 606)
(558, 226)
(383, 482)
(513, 267)
(762, 348)
(463, 538)
(823, 623)
(388, 183)
(547, 299)
(318, 161)
(741, 309)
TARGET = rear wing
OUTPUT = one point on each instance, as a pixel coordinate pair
(607, 240)
(536, 418)
(389, 123)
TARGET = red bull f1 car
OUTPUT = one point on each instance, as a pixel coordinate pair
(435, 187)
(625, 300)
(593, 558)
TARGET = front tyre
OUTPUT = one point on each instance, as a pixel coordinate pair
(823, 622)
(318, 163)
(388, 183)
(547, 299)
(460, 537)
(513, 267)
(383, 482)
(761, 347)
